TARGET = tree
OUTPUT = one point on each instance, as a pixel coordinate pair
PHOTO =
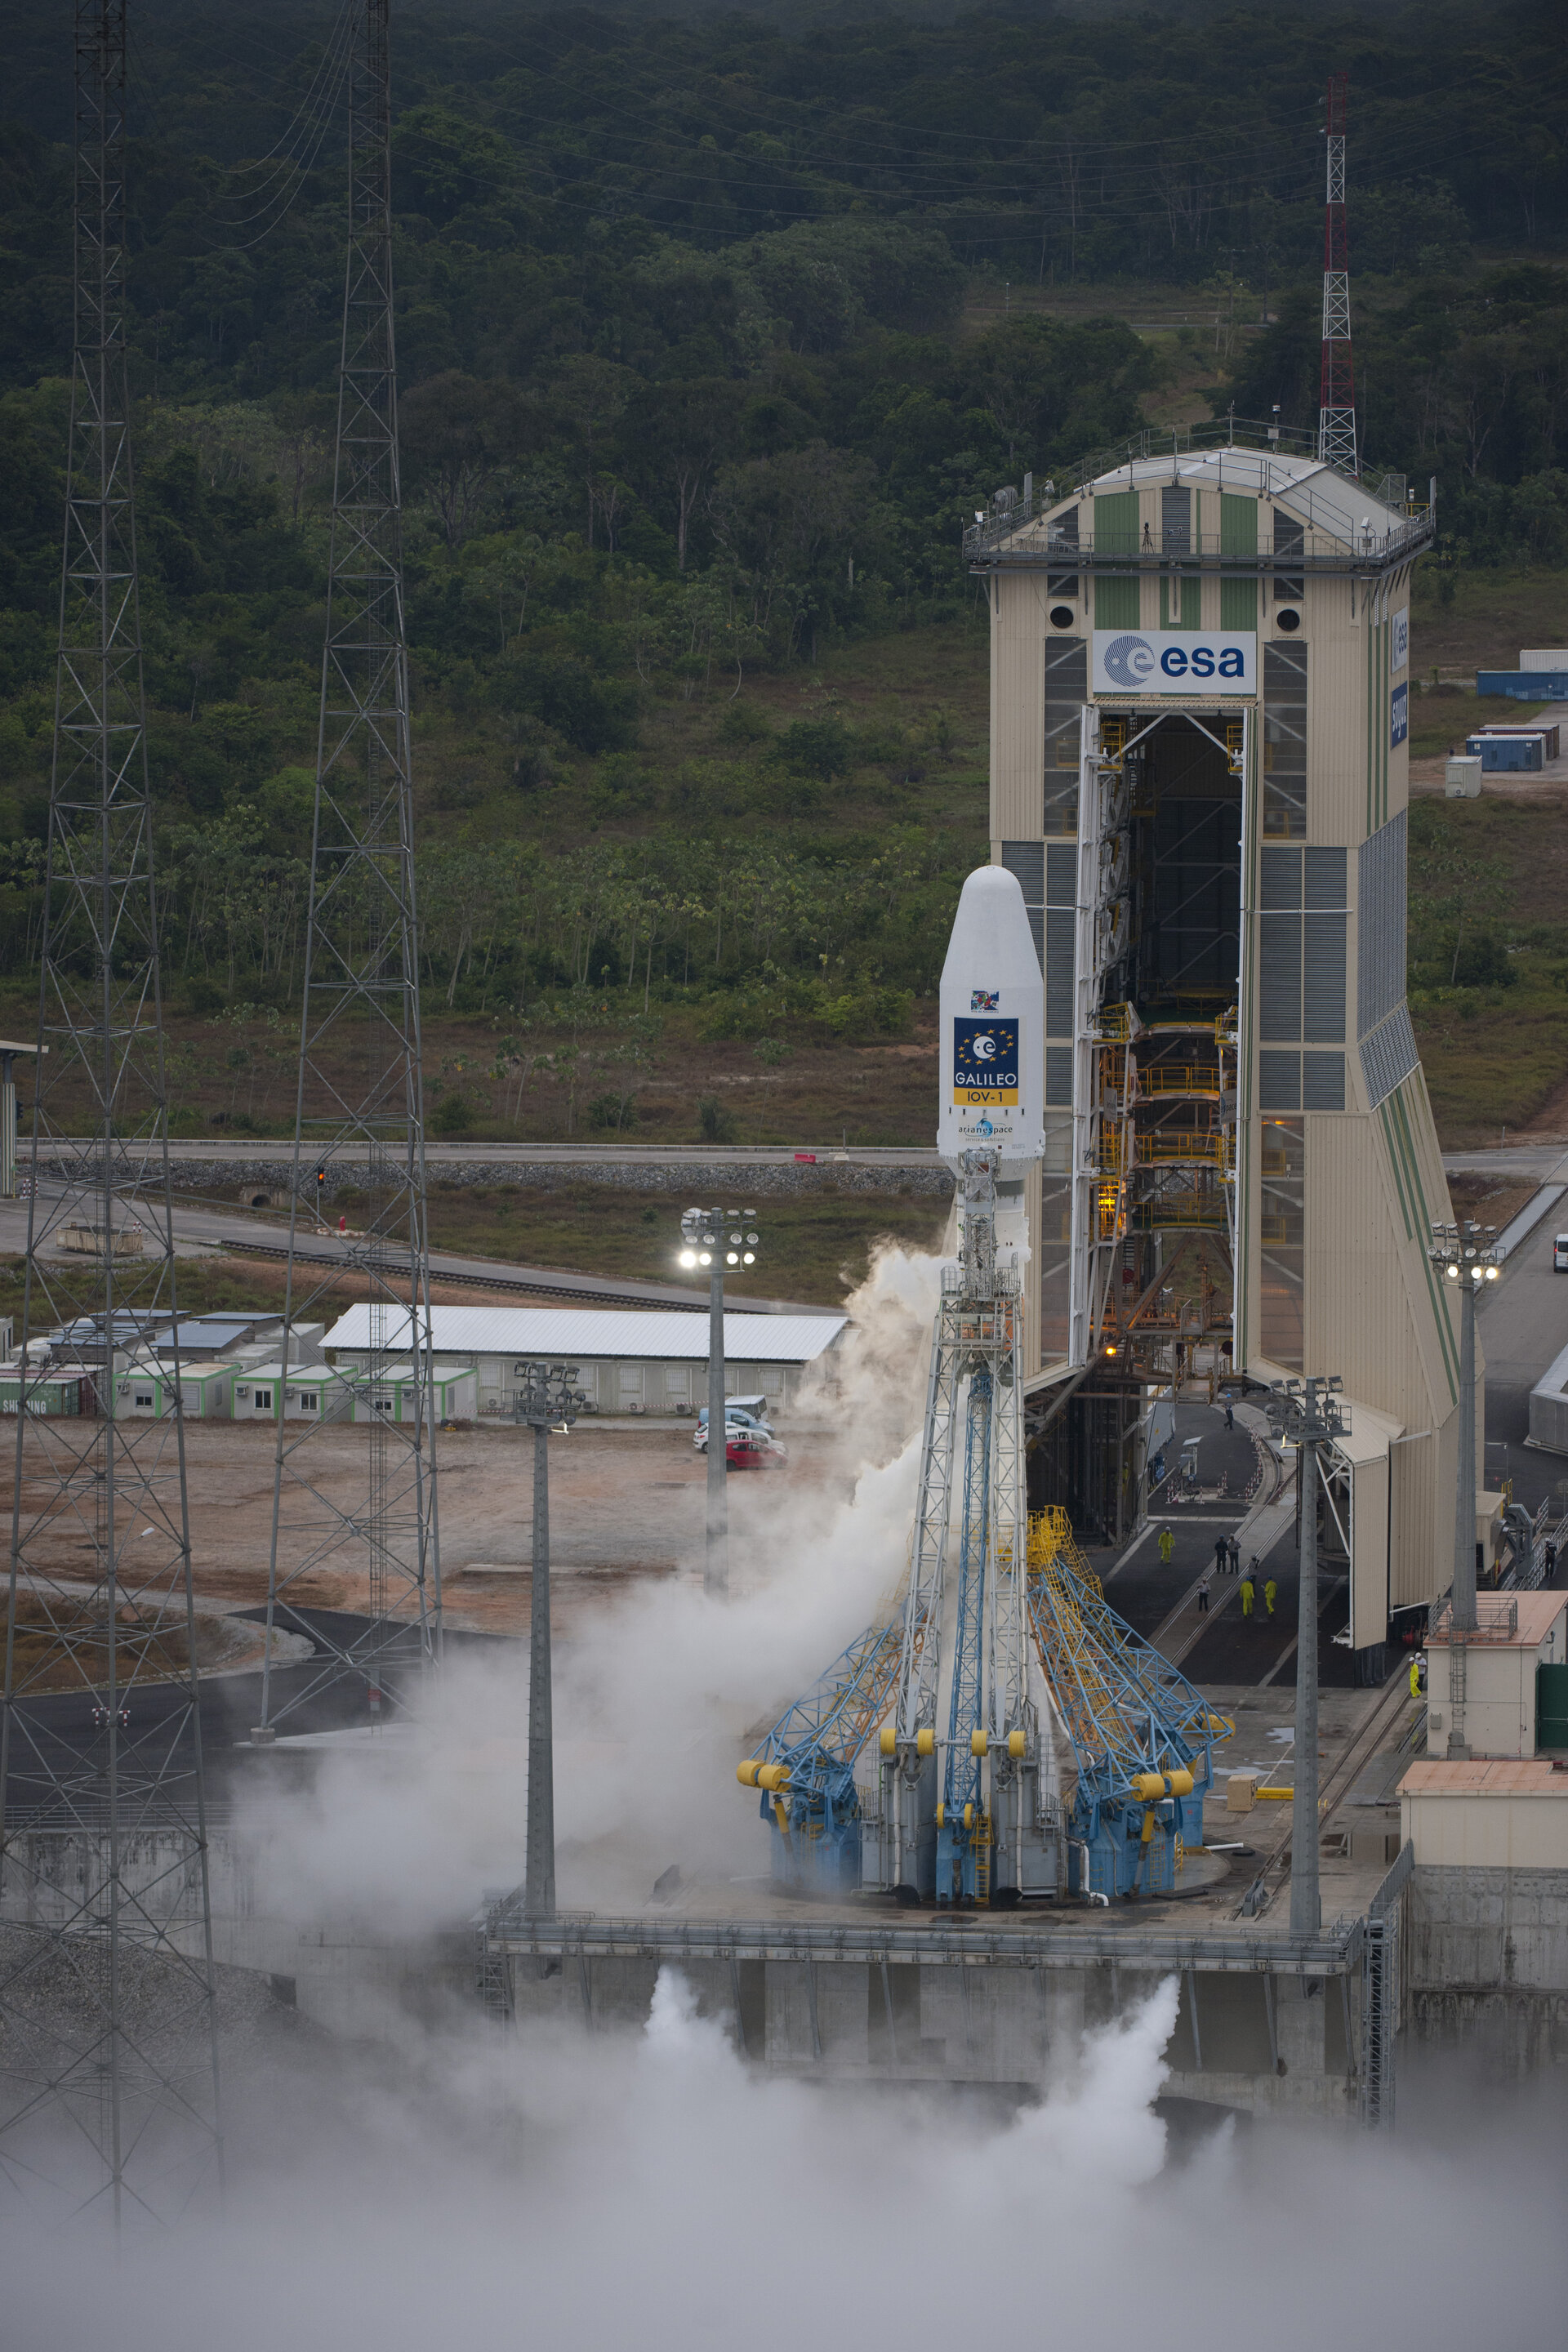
(459, 433)
(676, 437)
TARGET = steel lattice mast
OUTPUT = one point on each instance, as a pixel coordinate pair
(360, 1113)
(107, 2055)
(1336, 396)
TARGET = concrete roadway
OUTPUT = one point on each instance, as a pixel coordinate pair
(229, 1705)
(1222, 1647)
(202, 1229)
(1523, 1324)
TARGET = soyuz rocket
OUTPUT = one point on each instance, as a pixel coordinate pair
(992, 1050)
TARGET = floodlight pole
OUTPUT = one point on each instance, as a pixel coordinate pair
(716, 1551)
(547, 1399)
(1309, 1412)
(708, 1242)
(1467, 1254)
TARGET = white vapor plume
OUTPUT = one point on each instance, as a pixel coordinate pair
(653, 1697)
(439, 2182)
(645, 2186)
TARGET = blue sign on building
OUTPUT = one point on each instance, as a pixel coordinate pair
(1398, 715)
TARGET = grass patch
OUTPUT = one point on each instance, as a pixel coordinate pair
(1492, 1060)
(815, 1246)
(1439, 722)
(204, 1287)
(63, 1642)
(1494, 1056)
(1465, 621)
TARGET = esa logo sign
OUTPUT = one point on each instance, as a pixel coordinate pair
(985, 1061)
(1399, 638)
(1126, 661)
(1398, 716)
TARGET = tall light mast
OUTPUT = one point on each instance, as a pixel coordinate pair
(1336, 396)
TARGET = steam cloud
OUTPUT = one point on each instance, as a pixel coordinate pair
(651, 1707)
(442, 2183)
(644, 2188)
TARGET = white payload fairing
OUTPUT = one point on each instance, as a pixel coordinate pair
(992, 1064)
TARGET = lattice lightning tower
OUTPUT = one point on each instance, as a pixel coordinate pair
(108, 2059)
(1336, 396)
(360, 1114)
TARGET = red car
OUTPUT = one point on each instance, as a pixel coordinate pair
(748, 1449)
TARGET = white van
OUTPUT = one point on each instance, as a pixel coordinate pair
(1559, 1253)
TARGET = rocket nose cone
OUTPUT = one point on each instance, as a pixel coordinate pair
(992, 943)
(990, 886)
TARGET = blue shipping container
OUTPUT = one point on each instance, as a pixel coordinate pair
(1505, 754)
(1524, 684)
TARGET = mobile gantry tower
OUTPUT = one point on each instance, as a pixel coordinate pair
(1200, 683)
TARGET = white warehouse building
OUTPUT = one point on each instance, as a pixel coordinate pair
(629, 1359)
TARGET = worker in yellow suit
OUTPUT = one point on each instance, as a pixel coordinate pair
(1167, 1546)
(1270, 1595)
(1414, 1676)
(1246, 1596)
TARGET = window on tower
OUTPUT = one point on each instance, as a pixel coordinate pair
(1285, 741)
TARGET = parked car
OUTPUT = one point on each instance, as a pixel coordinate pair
(1559, 1253)
(700, 1436)
(733, 1420)
(750, 1412)
(748, 1449)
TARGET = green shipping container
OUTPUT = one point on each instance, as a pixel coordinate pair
(1551, 1706)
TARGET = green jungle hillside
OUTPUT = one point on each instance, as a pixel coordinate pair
(712, 330)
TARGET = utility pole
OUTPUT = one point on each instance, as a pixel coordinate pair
(546, 1400)
(1468, 1255)
(108, 2080)
(359, 1113)
(1336, 391)
(716, 1238)
(1308, 1413)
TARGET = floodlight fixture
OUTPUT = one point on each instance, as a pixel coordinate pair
(714, 1238)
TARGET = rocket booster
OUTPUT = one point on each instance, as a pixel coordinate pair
(992, 1054)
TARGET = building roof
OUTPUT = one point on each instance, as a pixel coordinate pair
(1345, 522)
(1370, 1433)
(1554, 1381)
(566, 1334)
(1497, 1776)
(209, 1325)
(1532, 1616)
(1316, 494)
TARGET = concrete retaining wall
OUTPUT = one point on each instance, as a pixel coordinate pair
(1003, 2028)
(1487, 1964)
(1286, 2046)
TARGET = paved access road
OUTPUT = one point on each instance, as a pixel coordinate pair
(1523, 1324)
(201, 1229)
(310, 1695)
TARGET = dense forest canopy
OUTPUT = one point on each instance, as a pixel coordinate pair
(687, 395)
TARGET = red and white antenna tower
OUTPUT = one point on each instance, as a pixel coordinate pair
(1336, 397)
